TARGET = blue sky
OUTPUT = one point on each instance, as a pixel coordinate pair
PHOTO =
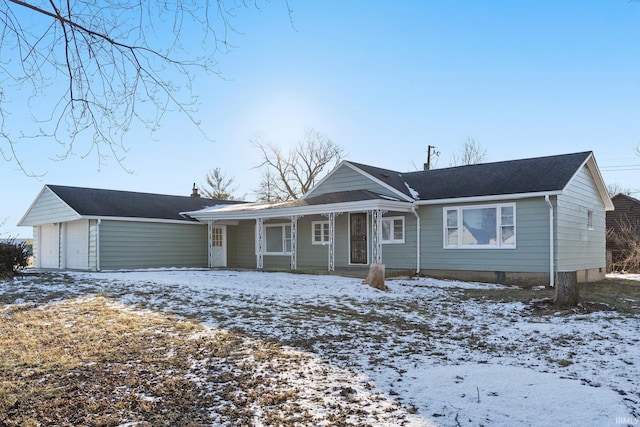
(383, 80)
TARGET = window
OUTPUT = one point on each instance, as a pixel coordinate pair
(393, 229)
(590, 219)
(278, 239)
(320, 230)
(492, 226)
(216, 237)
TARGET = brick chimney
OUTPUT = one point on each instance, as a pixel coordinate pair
(194, 191)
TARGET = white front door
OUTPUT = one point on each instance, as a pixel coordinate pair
(218, 246)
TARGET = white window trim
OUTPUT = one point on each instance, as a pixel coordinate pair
(284, 239)
(499, 245)
(323, 225)
(589, 219)
(392, 240)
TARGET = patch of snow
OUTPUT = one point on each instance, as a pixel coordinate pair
(457, 361)
(413, 192)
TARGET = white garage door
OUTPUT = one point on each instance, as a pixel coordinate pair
(49, 251)
(77, 244)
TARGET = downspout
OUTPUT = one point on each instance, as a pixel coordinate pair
(551, 254)
(98, 244)
(413, 210)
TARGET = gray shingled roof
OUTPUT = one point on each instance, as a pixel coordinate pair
(536, 175)
(128, 204)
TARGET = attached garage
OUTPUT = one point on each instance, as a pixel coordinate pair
(94, 229)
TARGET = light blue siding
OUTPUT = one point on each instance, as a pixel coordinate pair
(579, 248)
(127, 244)
(532, 242)
(347, 179)
(47, 209)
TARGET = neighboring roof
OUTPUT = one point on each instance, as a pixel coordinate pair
(93, 202)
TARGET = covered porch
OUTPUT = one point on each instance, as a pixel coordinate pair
(311, 234)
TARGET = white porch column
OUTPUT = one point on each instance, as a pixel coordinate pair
(376, 236)
(294, 240)
(259, 243)
(332, 239)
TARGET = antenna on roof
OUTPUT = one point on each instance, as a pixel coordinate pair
(430, 149)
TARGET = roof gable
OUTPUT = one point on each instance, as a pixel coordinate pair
(375, 179)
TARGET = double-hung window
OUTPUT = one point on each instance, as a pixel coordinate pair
(320, 230)
(486, 226)
(278, 239)
(393, 229)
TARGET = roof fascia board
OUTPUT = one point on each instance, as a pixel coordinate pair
(592, 166)
(385, 185)
(362, 205)
(478, 199)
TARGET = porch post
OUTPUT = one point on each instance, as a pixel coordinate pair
(259, 243)
(376, 236)
(294, 245)
(332, 239)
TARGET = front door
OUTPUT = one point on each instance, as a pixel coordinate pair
(358, 238)
(218, 256)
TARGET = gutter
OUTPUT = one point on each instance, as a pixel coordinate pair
(413, 210)
(551, 254)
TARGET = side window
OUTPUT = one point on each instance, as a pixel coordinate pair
(393, 229)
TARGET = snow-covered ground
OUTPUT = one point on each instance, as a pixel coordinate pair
(448, 359)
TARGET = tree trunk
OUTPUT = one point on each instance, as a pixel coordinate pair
(375, 278)
(566, 293)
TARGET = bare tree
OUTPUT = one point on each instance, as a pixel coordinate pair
(615, 188)
(625, 237)
(218, 186)
(294, 173)
(88, 71)
(471, 153)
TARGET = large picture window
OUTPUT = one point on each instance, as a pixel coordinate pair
(488, 226)
(393, 229)
(278, 239)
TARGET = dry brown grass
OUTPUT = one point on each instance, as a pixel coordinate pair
(92, 362)
(87, 362)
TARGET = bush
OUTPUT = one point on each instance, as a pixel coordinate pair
(13, 257)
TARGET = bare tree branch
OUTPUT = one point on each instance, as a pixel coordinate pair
(470, 154)
(293, 175)
(88, 71)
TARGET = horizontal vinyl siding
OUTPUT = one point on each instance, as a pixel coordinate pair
(126, 244)
(311, 256)
(241, 240)
(93, 245)
(578, 247)
(402, 255)
(530, 255)
(346, 179)
(48, 209)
